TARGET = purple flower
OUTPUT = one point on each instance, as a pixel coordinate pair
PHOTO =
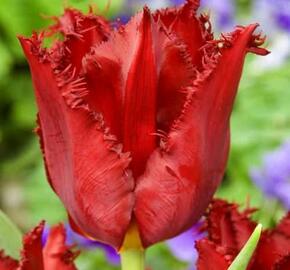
(274, 176)
(183, 245)
(282, 13)
(176, 2)
(273, 14)
(73, 238)
(223, 12)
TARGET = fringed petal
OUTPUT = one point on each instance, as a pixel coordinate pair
(81, 32)
(181, 52)
(129, 57)
(181, 177)
(273, 247)
(31, 256)
(139, 118)
(104, 83)
(185, 25)
(228, 227)
(56, 254)
(7, 263)
(211, 257)
(81, 155)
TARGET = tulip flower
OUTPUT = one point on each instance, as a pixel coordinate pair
(34, 256)
(228, 230)
(134, 121)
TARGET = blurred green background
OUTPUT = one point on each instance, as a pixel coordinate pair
(260, 122)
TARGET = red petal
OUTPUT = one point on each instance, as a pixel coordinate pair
(81, 33)
(274, 245)
(227, 227)
(283, 264)
(7, 263)
(105, 93)
(284, 226)
(129, 57)
(81, 156)
(182, 53)
(187, 27)
(56, 254)
(32, 257)
(139, 119)
(211, 257)
(180, 178)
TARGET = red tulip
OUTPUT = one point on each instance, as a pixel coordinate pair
(134, 121)
(228, 231)
(54, 255)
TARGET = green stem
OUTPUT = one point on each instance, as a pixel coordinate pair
(133, 259)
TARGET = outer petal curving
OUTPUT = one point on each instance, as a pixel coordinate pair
(182, 175)
(81, 156)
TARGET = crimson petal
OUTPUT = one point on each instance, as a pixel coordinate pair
(283, 264)
(32, 257)
(130, 53)
(273, 247)
(185, 31)
(7, 263)
(188, 173)
(81, 156)
(80, 34)
(211, 257)
(228, 227)
(228, 230)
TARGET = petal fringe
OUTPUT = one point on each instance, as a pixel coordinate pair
(228, 230)
(31, 255)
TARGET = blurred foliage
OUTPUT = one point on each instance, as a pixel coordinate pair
(10, 236)
(261, 121)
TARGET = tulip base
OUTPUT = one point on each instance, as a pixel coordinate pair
(132, 252)
(133, 259)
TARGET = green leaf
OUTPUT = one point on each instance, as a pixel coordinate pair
(242, 260)
(10, 237)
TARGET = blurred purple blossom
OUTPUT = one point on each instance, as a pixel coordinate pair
(273, 14)
(222, 11)
(74, 238)
(273, 178)
(183, 245)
